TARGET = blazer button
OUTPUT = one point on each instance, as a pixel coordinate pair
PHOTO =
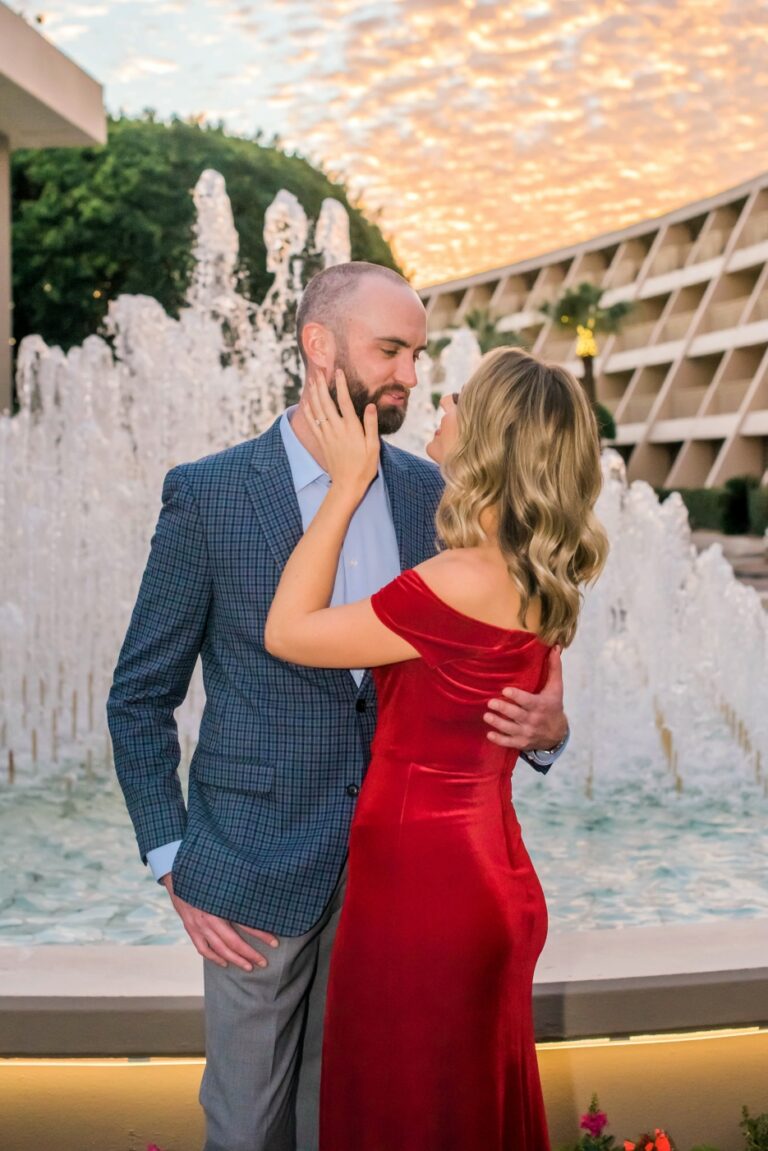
(360, 705)
(352, 790)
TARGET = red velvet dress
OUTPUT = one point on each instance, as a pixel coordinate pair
(429, 1040)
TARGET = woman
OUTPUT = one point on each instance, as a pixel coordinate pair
(429, 1040)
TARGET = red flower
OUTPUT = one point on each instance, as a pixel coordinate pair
(594, 1122)
(629, 1146)
(661, 1141)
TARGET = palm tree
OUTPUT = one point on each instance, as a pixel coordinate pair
(579, 310)
(487, 334)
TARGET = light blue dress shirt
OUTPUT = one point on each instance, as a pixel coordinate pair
(369, 559)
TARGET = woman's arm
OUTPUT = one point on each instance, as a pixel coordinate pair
(300, 625)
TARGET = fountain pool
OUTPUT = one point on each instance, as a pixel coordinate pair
(654, 816)
(632, 855)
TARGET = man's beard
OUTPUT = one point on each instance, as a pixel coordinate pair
(390, 416)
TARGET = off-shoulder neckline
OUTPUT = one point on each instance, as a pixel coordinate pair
(507, 631)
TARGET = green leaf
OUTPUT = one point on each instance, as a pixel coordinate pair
(119, 218)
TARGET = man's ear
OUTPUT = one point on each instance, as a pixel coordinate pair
(319, 347)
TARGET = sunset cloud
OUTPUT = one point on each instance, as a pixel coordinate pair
(139, 66)
(486, 132)
(547, 127)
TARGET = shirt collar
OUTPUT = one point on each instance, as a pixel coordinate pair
(304, 467)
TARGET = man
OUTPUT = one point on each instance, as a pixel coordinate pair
(255, 867)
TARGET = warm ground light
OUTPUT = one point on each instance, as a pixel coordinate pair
(693, 1085)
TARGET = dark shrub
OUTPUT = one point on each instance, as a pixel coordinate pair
(606, 424)
(737, 512)
(758, 510)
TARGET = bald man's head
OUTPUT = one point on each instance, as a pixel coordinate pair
(368, 322)
(329, 297)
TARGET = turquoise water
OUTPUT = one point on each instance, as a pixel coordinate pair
(635, 853)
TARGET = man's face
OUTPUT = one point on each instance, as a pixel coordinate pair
(383, 334)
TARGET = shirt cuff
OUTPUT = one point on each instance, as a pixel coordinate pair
(160, 859)
(544, 759)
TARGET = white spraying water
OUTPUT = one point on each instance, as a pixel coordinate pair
(669, 666)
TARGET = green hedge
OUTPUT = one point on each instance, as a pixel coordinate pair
(738, 508)
(758, 510)
(737, 513)
(606, 425)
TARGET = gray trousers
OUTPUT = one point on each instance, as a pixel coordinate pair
(263, 1043)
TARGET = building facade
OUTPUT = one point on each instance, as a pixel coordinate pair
(686, 378)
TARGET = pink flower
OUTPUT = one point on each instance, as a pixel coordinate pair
(594, 1122)
(152, 1147)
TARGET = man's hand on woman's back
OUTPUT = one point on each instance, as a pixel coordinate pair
(530, 720)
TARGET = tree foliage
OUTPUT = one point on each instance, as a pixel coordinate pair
(606, 424)
(487, 334)
(581, 307)
(755, 1130)
(91, 223)
(580, 310)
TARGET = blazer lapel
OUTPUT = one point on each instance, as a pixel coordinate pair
(271, 491)
(407, 507)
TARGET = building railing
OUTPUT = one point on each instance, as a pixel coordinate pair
(724, 315)
(670, 258)
(442, 315)
(755, 231)
(685, 402)
(637, 409)
(676, 327)
(729, 396)
(509, 303)
(711, 245)
(635, 336)
(760, 310)
(625, 272)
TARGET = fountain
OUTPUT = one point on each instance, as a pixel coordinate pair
(666, 773)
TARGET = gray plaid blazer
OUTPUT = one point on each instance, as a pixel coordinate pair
(282, 748)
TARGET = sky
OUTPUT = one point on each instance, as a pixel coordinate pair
(480, 133)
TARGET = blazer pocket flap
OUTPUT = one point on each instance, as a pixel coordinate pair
(235, 774)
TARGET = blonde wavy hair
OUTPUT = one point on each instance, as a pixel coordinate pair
(528, 451)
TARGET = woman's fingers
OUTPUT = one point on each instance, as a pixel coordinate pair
(329, 411)
(324, 412)
(313, 402)
(331, 423)
(371, 425)
(320, 417)
(342, 391)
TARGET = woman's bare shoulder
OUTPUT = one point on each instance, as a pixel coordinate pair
(458, 564)
(465, 577)
(476, 581)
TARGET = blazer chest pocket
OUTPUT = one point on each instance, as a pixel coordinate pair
(252, 776)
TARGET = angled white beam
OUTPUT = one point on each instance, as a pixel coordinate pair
(46, 101)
